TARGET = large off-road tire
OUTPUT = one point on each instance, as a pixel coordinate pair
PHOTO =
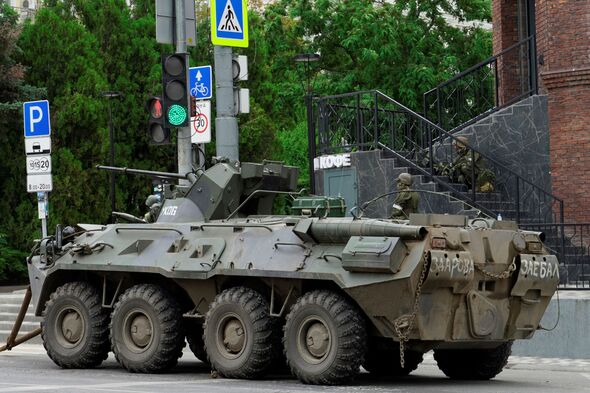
(473, 364)
(239, 334)
(146, 329)
(75, 327)
(194, 336)
(324, 339)
(383, 359)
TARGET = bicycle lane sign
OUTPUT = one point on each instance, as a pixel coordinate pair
(201, 82)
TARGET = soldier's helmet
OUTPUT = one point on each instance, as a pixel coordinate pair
(151, 200)
(405, 178)
(461, 142)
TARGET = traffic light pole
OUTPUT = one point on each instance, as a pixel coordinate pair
(185, 154)
(226, 123)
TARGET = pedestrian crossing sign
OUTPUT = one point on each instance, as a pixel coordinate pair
(229, 23)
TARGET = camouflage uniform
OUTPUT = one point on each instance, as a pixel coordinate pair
(460, 170)
(154, 205)
(408, 200)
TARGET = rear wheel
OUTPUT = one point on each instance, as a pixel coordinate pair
(383, 359)
(146, 329)
(324, 339)
(473, 364)
(239, 334)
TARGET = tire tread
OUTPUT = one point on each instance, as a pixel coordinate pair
(98, 345)
(170, 320)
(351, 332)
(473, 364)
(261, 356)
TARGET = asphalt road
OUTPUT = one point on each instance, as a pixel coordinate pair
(28, 369)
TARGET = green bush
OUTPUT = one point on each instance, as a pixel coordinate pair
(13, 267)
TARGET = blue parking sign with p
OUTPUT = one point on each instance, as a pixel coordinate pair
(36, 118)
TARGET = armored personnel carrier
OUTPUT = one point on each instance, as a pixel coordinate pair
(323, 294)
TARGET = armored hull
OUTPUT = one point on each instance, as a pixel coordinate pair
(324, 295)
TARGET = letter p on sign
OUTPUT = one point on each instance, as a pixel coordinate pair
(36, 118)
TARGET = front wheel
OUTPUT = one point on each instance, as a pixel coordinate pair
(474, 364)
(75, 326)
(324, 339)
(146, 329)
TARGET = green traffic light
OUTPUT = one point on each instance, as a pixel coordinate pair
(177, 115)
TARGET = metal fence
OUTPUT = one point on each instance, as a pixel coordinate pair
(493, 84)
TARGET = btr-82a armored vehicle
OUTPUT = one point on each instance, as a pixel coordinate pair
(323, 294)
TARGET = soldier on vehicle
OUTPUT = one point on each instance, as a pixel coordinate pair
(468, 165)
(154, 206)
(406, 201)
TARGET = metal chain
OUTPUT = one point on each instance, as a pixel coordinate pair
(403, 325)
(498, 276)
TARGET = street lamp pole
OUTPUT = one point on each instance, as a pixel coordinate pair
(109, 95)
(307, 59)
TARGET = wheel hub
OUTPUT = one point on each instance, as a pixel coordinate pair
(141, 331)
(72, 326)
(318, 339)
(138, 331)
(314, 341)
(69, 326)
(233, 336)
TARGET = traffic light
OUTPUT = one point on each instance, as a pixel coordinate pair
(174, 84)
(157, 131)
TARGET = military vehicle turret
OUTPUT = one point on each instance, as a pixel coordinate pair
(323, 293)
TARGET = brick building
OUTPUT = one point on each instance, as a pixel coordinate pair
(562, 33)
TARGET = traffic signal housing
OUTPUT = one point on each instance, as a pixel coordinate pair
(175, 93)
(158, 133)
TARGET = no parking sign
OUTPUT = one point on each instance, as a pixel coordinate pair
(201, 123)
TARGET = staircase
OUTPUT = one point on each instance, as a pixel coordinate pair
(434, 197)
(10, 304)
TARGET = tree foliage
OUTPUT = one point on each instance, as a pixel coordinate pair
(77, 49)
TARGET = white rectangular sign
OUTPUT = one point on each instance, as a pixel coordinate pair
(201, 124)
(332, 161)
(40, 145)
(39, 183)
(38, 164)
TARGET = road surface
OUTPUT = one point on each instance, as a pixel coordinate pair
(28, 369)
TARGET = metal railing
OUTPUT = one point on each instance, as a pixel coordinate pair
(571, 244)
(493, 84)
(371, 120)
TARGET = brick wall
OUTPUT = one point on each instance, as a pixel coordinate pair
(505, 34)
(563, 49)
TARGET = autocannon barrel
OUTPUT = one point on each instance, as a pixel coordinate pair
(340, 230)
(154, 174)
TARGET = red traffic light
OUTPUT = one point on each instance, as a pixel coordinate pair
(155, 108)
(158, 132)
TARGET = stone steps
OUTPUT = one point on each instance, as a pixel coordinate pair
(10, 304)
